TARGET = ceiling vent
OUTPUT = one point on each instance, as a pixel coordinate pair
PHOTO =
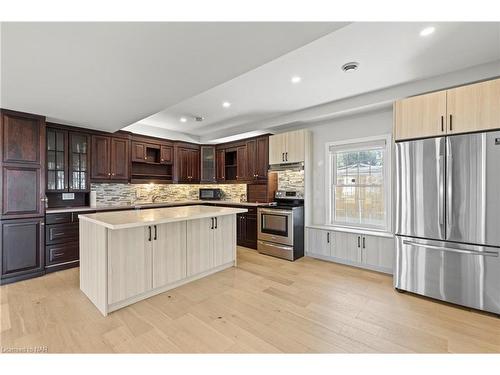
(199, 118)
(350, 67)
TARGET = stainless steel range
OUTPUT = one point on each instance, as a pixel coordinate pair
(281, 226)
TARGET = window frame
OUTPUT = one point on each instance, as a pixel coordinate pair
(331, 169)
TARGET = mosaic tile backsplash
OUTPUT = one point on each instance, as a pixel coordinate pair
(291, 180)
(119, 194)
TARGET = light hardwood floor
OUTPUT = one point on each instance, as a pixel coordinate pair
(265, 305)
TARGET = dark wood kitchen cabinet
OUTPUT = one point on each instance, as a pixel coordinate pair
(62, 240)
(22, 164)
(241, 163)
(246, 228)
(220, 167)
(208, 164)
(110, 158)
(21, 249)
(166, 154)
(258, 158)
(68, 160)
(187, 159)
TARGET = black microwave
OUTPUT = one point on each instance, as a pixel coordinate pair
(211, 194)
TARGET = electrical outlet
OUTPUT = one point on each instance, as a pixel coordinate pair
(68, 196)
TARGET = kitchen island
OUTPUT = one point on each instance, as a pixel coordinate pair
(127, 256)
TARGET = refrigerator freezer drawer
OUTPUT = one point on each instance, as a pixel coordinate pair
(462, 274)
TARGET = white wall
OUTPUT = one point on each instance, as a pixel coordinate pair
(363, 125)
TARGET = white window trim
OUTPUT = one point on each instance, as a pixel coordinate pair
(387, 181)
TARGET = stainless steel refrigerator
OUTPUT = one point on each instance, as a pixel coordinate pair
(448, 219)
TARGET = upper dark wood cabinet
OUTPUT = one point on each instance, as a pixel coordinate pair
(23, 161)
(79, 160)
(67, 160)
(101, 149)
(258, 158)
(119, 159)
(187, 162)
(22, 136)
(57, 160)
(220, 165)
(110, 158)
(208, 164)
(166, 154)
(138, 152)
(21, 248)
(241, 163)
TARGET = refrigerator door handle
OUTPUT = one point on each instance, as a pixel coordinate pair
(441, 192)
(451, 249)
(449, 188)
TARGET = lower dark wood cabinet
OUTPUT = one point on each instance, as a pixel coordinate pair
(61, 256)
(246, 229)
(21, 249)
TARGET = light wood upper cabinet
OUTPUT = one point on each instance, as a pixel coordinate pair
(474, 107)
(277, 147)
(464, 109)
(287, 147)
(295, 146)
(420, 116)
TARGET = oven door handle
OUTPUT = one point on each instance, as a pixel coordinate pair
(273, 211)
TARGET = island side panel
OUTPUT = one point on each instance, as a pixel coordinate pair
(93, 264)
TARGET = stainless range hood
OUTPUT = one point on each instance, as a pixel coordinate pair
(286, 167)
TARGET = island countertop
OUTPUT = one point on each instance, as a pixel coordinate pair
(137, 218)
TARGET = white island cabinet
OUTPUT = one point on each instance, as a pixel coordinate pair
(128, 256)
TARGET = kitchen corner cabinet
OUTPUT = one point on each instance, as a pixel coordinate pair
(110, 158)
(464, 109)
(366, 251)
(208, 164)
(287, 147)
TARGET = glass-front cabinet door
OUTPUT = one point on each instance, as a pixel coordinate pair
(57, 179)
(78, 162)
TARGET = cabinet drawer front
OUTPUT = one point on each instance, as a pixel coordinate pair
(58, 233)
(60, 218)
(61, 253)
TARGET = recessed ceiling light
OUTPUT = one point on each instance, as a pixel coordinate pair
(350, 67)
(226, 104)
(183, 119)
(296, 79)
(427, 31)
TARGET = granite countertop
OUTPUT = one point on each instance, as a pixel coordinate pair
(149, 205)
(139, 218)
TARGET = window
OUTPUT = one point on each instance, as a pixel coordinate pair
(359, 183)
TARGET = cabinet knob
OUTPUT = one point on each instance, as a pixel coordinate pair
(112, 174)
(162, 160)
(109, 173)
(145, 158)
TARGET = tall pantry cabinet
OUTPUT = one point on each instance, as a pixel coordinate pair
(22, 179)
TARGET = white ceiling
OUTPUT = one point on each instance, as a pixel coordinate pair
(107, 76)
(389, 54)
(110, 75)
